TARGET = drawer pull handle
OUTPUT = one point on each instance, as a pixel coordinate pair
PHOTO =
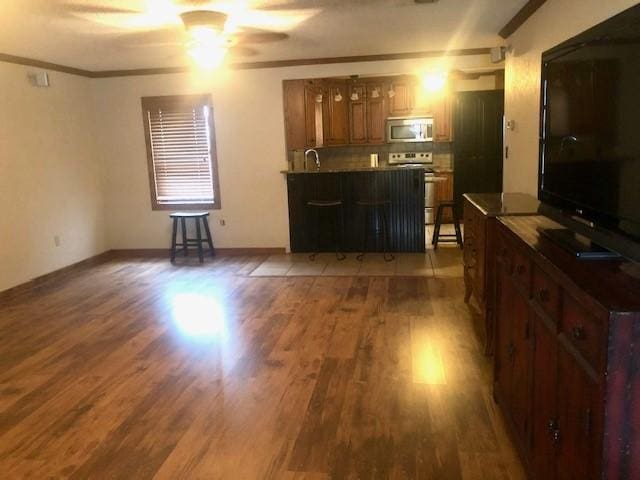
(552, 425)
(578, 332)
(543, 295)
(520, 269)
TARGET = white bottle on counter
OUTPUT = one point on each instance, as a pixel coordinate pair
(374, 160)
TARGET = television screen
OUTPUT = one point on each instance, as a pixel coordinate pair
(590, 126)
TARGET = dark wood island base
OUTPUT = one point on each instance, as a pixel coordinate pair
(399, 190)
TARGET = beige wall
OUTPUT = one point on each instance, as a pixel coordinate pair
(50, 181)
(250, 139)
(556, 21)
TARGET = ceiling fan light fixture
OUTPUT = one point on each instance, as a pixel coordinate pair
(207, 55)
(207, 45)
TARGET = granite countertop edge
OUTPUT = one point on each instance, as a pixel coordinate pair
(347, 170)
(518, 210)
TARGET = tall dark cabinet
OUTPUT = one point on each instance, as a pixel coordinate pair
(478, 127)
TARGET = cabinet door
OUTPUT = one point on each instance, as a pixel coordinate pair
(294, 114)
(444, 192)
(503, 348)
(544, 395)
(376, 113)
(357, 114)
(313, 125)
(442, 119)
(520, 397)
(402, 102)
(513, 353)
(336, 114)
(578, 421)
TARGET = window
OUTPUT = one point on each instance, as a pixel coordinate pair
(181, 152)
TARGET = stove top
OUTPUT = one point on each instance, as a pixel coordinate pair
(421, 158)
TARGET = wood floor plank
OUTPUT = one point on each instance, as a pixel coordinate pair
(143, 369)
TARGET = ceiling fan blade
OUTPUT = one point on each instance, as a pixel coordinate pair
(96, 9)
(163, 36)
(260, 36)
(192, 3)
(238, 51)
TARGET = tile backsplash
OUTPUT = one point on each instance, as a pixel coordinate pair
(357, 156)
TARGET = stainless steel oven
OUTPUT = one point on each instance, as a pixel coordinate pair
(409, 129)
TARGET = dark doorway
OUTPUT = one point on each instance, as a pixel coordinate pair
(477, 147)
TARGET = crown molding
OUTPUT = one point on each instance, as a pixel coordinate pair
(243, 65)
(30, 62)
(519, 18)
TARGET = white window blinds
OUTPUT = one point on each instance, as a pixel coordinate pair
(181, 150)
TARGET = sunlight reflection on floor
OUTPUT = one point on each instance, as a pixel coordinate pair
(198, 316)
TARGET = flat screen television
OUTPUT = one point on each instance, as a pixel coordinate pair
(589, 174)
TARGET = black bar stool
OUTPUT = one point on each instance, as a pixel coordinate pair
(332, 209)
(442, 237)
(198, 241)
(375, 221)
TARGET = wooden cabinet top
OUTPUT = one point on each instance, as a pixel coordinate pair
(613, 284)
(494, 204)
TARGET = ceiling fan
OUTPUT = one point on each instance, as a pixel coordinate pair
(206, 29)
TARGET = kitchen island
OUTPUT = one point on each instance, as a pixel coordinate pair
(401, 187)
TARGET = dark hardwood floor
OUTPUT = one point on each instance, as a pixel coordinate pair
(139, 369)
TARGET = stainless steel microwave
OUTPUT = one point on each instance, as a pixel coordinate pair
(409, 129)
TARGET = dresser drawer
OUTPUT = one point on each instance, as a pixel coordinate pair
(504, 251)
(469, 219)
(584, 331)
(546, 293)
(522, 270)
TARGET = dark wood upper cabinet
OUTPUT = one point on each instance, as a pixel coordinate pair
(294, 114)
(335, 113)
(313, 124)
(376, 113)
(402, 100)
(357, 114)
(321, 112)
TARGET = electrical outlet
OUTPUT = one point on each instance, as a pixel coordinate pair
(223, 222)
(56, 240)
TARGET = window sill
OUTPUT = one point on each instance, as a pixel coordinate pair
(186, 206)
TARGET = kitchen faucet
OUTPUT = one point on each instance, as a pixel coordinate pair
(317, 157)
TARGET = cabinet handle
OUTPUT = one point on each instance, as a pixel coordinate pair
(555, 436)
(552, 425)
(520, 269)
(578, 332)
(543, 295)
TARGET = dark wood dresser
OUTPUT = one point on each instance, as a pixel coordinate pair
(567, 356)
(480, 212)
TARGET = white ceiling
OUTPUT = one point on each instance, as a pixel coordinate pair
(98, 39)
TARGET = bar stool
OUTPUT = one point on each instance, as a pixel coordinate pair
(447, 238)
(333, 209)
(198, 241)
(376, 221)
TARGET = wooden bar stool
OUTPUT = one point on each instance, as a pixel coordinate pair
(449, 238)
(198, 241)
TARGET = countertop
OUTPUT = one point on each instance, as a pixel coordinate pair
(357, 169)
(504, 204)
